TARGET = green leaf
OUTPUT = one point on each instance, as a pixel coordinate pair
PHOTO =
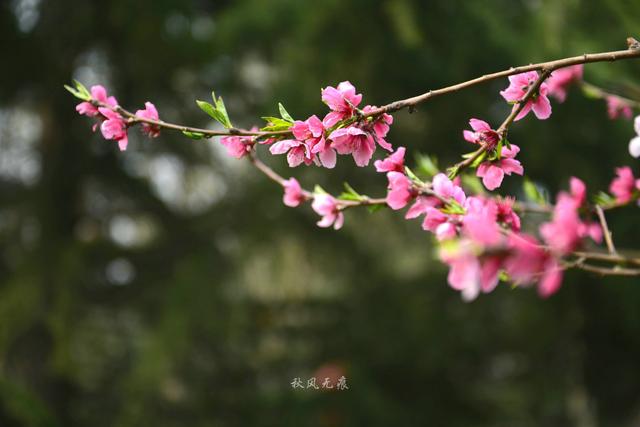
(79, 91)
(479, 160)
(350, 193)
(603, 199)
(532, 192)
(412, 175)
(284, 114)
(427, 165)
(276, 124)
(226, 122)
(319, 190)
(590, 92)
(452, 172)
(374, 208)
(207, 108)
(82, 89)
(193, 135)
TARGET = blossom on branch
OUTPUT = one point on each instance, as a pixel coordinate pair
(561, 79)
(393, 162)
(293, 194)
(237, 146)
(624, 185)
(493, 172)
(150, 113)
(327, 207)
(482, 134)
(519, 85)
(342, 101)
(114, 127)
(618, 107)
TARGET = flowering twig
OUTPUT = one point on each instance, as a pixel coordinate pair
(482, 236)
(632, 52)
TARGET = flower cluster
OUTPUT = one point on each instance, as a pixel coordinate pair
(112, 124)
(479, 236)
(344, 130)
(625, 186)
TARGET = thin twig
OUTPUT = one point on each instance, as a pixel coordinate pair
(632, 52)
(605, 230)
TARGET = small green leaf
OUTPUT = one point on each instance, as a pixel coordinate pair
(226, 122)
(427, 165)
(350, 193)
(82, 89)
(276, 124)
(319, 190)
(207, 108)
(284, 114)
(412, 175)
(452, 172)
(479, 160)
(591, 92)
(79, 91)
(193, 135)
(603, 199)
(532, 192)
(374, 208)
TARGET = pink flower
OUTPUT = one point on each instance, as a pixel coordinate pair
(528, 263)
(381, 125)
(446, 189)
(551, 278)
(149, 113)
(421, 205)
(311, 132)
(617, 107)
(469, 273)
(114, 127)
(237, 146)
(99, 94)
(578, 191)
(519, 85)
(293, 194)
(400, 192)
(624, 185)
(353, 140)
(492, 173)
(561, 79)
(441, 224)
(482, 134)
(342, 101)
(480, 223)
(564, 233)
(327, 207)
(506, 214)
(297, 152)
(393, 162)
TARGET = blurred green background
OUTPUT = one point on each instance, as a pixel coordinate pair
(169, 286)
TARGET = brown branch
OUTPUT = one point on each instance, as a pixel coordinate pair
(604, 94)
(504, 127)
(632, 52)
(605, 230)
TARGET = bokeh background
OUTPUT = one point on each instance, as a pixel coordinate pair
(169, 286)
